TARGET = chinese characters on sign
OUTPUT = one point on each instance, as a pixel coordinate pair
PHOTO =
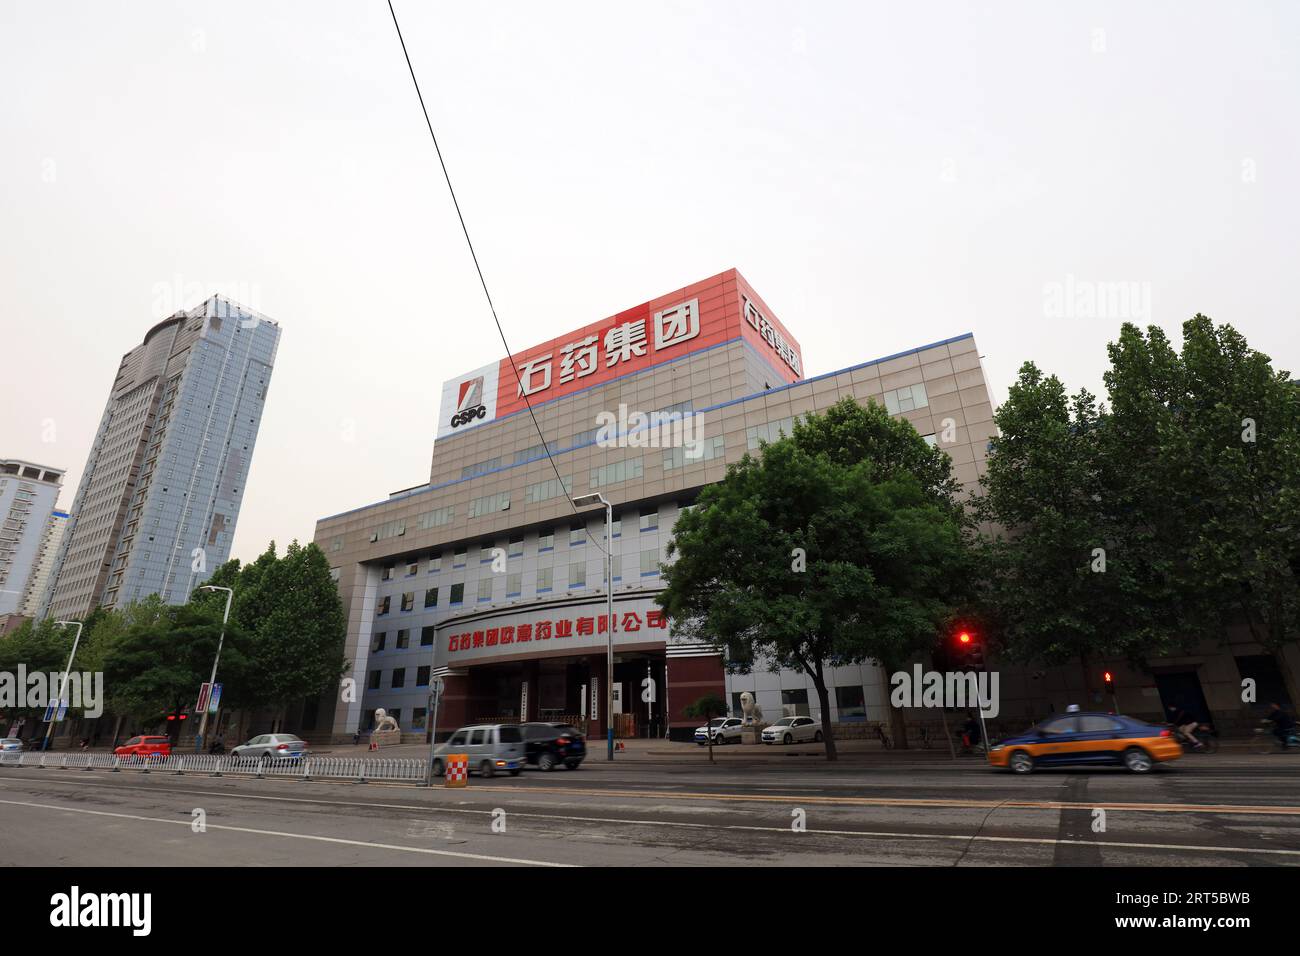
(622, 344)
(555, 628)
(759, 323)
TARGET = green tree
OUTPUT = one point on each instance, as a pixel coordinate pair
(38, 647)
(1145, 527)
(1060, 586)
(706, 708)
(841, 543)
(291, 611)
(158, 663)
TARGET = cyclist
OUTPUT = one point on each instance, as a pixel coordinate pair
(1283, 724)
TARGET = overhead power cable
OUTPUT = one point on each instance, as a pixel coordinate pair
(546, 446)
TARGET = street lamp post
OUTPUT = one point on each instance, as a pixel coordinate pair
(63, 684)
(579, 502)
(203, 719)
(435, 696)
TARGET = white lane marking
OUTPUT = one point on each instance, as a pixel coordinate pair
(295, 836)
(885, 834)
(1044, 841)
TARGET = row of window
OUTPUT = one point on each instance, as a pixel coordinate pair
(398, 678)
(646, 521)
(648, 564)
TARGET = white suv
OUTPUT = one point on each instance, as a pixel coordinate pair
(723, 730)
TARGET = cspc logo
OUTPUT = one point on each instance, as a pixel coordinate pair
(469, 402)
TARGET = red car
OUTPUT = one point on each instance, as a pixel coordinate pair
(145, 747)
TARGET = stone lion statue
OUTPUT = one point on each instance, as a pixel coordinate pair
(383, 722)
(749, 707)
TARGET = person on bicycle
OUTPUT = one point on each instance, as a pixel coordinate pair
(1187, 725)
(1283, 724)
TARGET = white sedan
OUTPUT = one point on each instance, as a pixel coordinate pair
(723, 730)
(790, 730)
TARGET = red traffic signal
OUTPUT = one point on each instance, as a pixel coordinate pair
(1108, 677)
(969, 651)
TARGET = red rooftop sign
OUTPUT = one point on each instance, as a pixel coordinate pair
(700, 316)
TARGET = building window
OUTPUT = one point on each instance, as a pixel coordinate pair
(578, 574)
(794, 703)
(616, 472)
(375, 677)
(851, 702)
(458, 558)
(417, 717)
(380, 640)
(770, 431)
(906, 399)
(388, 573)
(577, 535)
(384, 606)
(457, 593)
(422, 676)
(399, 677)
(426, 636)
(480, 468)
(403, 639)
(546, 541)
(430, 597)
(413, 569)
(485, 589)
(408, 600)
(705, 450)
(489, 504)
(396, 714)
(546, 490)
(649, 562)
(516, 548)
(514, 584)
(435, 562)
(545, 576)
(435, 518)
(650, 520)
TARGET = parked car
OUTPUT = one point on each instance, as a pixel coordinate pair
(145, 748)
(490, 747)
(548, 745)
(1087, 738)
(10, 747)
(723, 730)
(792, 730)
(273, 747)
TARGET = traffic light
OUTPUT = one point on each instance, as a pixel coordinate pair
(1108, 679)
(968, 650)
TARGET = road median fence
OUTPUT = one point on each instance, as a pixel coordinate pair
(359, 769)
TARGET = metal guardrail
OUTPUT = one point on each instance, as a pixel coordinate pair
(359, 769)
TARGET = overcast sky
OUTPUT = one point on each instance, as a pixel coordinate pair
(885, 175)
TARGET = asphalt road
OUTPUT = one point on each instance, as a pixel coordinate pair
(1222, 810)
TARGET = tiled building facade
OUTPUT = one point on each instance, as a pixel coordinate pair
(486, 576)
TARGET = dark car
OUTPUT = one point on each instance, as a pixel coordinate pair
(1087, 738)
(546, 745)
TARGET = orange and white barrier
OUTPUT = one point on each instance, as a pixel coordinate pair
(457, 770)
